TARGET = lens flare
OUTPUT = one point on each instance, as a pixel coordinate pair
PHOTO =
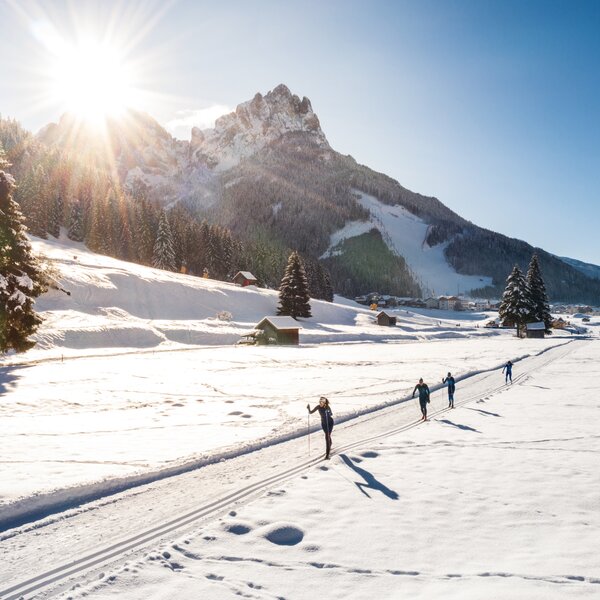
(92, 81)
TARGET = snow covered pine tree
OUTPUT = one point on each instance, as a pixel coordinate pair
(516, 307)
(293, 291)
(164, 252)
(537, 294)
(21, 279)
(76, 222)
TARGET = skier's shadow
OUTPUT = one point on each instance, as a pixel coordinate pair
(370, 481)
(483, 412)
(463, 427)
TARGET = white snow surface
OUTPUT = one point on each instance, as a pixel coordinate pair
(136, 357)
(405, 233)
(138, 407)
(472, 504)
(469, 505)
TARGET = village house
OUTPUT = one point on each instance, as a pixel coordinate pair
(244, 278)
(447, 302)
(535, 330)
(386, 319)
(282, 330)
(432, 302)
(559, 323)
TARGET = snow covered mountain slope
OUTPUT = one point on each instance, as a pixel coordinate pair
(405, 234)
(115, 305)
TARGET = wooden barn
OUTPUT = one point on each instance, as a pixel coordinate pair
(244, 278)
(535, 330)
(386, 319)
(284, 330)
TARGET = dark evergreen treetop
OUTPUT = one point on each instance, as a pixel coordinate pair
(294, 300)
(21, 279)
(537, 294)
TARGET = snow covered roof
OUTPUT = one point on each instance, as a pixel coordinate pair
(387, 314)
(245, 274)
(282, 322)
(536, 326)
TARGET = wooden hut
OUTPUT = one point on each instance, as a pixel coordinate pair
(535, 330)
(244, 278)
(386, 319)
(284, 330)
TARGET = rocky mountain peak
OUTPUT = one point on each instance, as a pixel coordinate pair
(253, 125)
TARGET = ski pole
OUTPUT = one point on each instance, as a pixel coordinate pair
(308, 429)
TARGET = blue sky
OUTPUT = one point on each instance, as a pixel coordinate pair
(492, 106)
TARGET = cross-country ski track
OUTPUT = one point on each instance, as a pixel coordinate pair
(142, 517)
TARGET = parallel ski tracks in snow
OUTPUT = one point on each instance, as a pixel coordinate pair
(77, 569)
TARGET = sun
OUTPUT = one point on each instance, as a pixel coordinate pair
(92, 81)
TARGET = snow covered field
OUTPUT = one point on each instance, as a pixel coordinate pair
(128, 404)
(496, 499)
(136, 384)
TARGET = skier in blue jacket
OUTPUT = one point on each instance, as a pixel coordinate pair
(423, 390)
(449, 381)
(508, 368)
(324, 409)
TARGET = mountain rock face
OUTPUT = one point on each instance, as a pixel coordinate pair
(134, 144)
(254, 125)
(267, 172)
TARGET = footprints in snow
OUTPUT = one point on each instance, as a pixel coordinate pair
(280, 534)
(239, 413)
(285, 535)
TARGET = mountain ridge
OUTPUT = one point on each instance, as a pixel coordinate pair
(267, 172)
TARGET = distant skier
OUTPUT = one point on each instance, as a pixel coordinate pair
(508, 368)
(423, 389)
(326, 421)
(449, 381)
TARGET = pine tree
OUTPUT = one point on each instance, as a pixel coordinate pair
(326, 287)
(21, 279)
(164, 254)
(125, 243)
(35, 203)
(55, 216)
(75, 232)
(293, 291)
(143, 230)
(516, 307)
(537, 294)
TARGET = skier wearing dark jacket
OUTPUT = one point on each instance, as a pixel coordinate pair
(423, 389)
(508, 368)
(326, 421)
(451, 389)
